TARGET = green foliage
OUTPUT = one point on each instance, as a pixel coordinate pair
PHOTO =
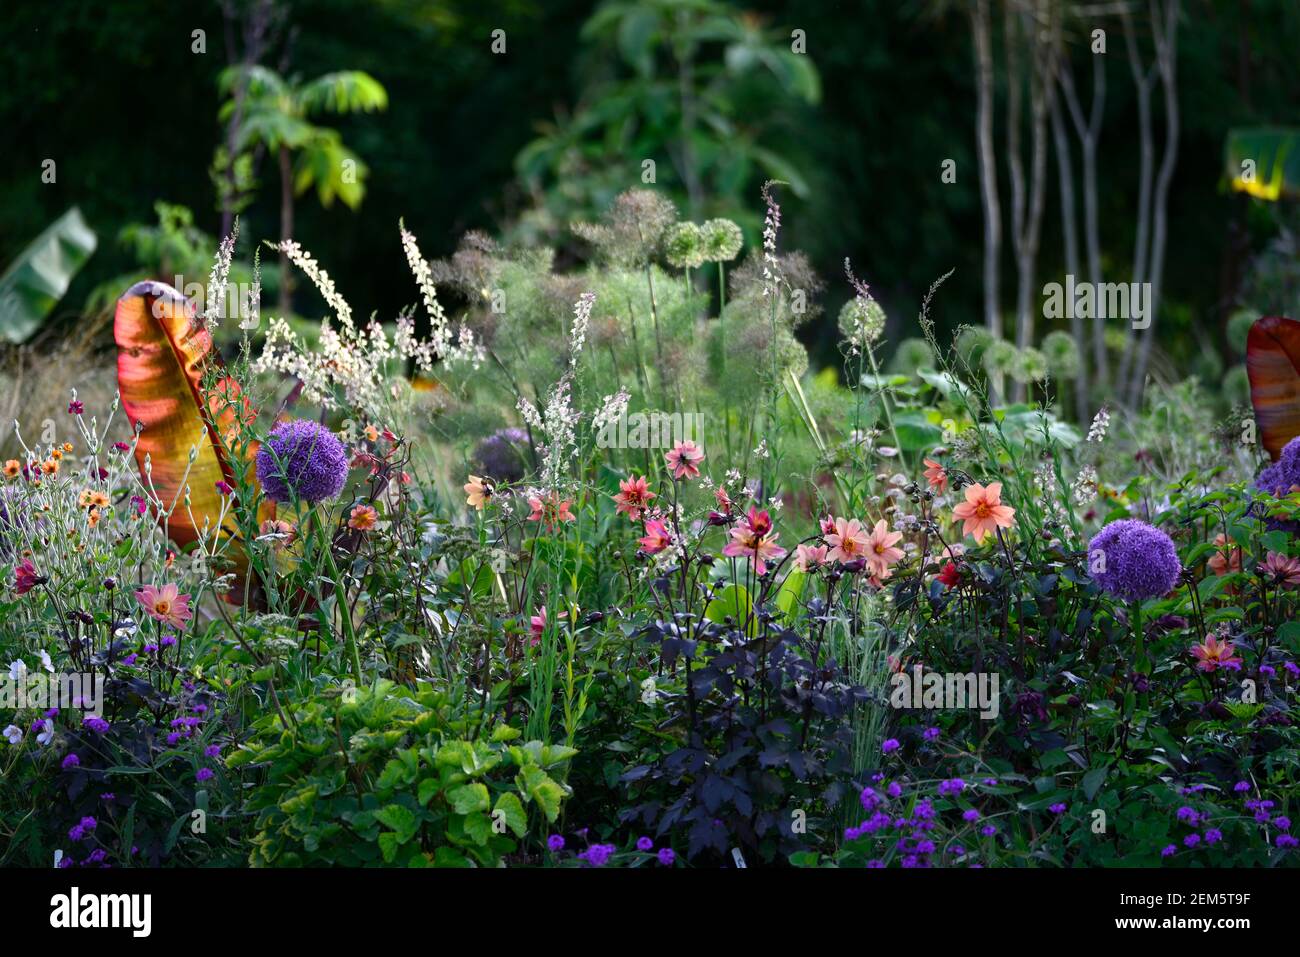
(36, 280)
(378, 776)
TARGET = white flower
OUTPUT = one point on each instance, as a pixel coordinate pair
(58, 858)
(46, 663)
(1097, 431)
(18, 670)
(45, 731)
(648, 691)
(13, 734)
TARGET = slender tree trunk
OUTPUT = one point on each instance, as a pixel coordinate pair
(981, 31)
(286, 229)
(1069, 230)
(1142, 81)
(1166, 37)
(1089, 133)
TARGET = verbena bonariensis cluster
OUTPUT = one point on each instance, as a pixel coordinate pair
(607, 577)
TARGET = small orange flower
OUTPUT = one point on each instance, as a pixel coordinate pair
(50, 467)
(91, 498)
(285, 532)
(371, 432)
(13, 468)
(936, 476)
(363, 518)
(983, 511)
(1227, 556)
(56, 454)
(480, 492)
(93, 517)
(67, 446)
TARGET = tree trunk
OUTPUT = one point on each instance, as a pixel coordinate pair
(286, 229)
(1142, 80)
(983, 48)
(1166, 37)
(1069, 230)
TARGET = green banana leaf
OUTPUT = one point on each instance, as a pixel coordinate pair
(36, 280)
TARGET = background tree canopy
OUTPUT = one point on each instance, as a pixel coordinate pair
(860, 126)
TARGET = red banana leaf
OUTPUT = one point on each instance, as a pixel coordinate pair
(163, 351)
(1273, 364)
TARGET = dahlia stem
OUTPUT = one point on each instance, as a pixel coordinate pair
(340, 598)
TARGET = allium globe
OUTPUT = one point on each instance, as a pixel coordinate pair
(302, 459)
(1133, 560)
(1278, 479)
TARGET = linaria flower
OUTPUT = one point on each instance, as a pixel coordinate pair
(983, 511)
(1133, 560)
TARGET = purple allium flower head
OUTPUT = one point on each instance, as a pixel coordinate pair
(71, 761)
(205, 774)
(1137, 560)
(644, 844)
(890, 745)
(667, 856)
(304, 459)
(556, 843)
(502, 456)
(1277, 480)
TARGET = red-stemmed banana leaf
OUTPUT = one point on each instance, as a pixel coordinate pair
(1273, 363)
(163, 354)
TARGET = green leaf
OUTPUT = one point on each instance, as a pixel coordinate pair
(541, 788)
(733, 602)
(1092, 781)
(469, 798)
(511, 810)
(39, 276)
(401, 819)
(790, 592)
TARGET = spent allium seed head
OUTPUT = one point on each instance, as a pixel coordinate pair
(502, 456)
(684, 246)
(1133, 560)
(722, 240)
(304, 460)
(1062, 354)
(861, 322)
